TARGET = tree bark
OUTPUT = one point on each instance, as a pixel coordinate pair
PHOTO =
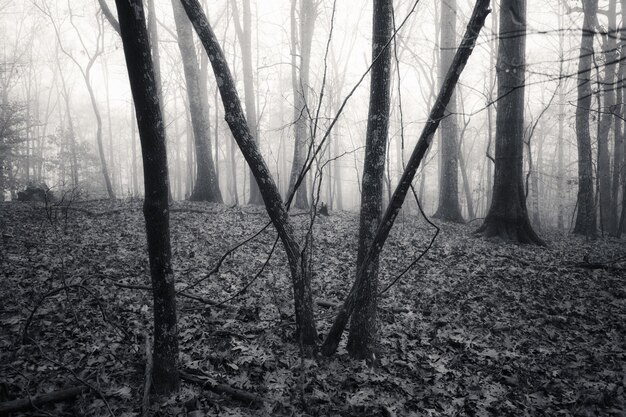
(607, 223)
(300, 81)
(508, 216)
(481, 10)
(234, 115)
(156, 204)
(449, 208)
(586, 216)
(206, 187)
(244, 34)
(363, 326)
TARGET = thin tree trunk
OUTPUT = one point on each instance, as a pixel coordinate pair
(156, 204)
(586, 216)
(133, 141)
(234, 115)
(244, 34)
(363, 327)
(481, 10)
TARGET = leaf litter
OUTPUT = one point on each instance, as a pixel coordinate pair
(486, 328)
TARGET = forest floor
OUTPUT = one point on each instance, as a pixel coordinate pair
(477, 328)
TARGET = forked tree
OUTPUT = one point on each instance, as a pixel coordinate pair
(363, 325)
(136, 43)
(508, 216)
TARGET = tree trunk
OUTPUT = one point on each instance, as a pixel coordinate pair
(156, 204)
(620, 128)
(481, 10)
(508, 217)
(244, 34)
(560, 176)
(606, 118)
(449, 208)
(133, 141)
(363, 327)
(234, 115)
(586, 216)
(300, 81)
(206, 187)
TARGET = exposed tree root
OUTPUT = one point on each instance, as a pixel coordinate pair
(518, 230)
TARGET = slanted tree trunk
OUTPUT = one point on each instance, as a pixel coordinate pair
(449, 208)
(244, 34)
(363, 327)
(234, 115)
(156, 205)
(300, 81)
(508, 217)
(480, 13)
(206, 187)
(133, 141)
(586, 216)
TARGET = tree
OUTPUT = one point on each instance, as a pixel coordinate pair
(480, 13)
(276, 209)
(586, 215)
(86, 74)
(363, 325)
(300, 83)
(156, 205)
(607, 115)
(206, 187)
(244, 34)
(508, 217)
(449, 209)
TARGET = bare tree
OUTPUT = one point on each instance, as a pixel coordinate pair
(480, 13)
(449, 208)
(206, 187)
(363, 325)
(156, 205)
(586, 216)
(301, 39)
(244, 34)
(85, 72)
(234, 115)
(508, 217)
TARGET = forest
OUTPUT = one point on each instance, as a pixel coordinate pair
(313, 208)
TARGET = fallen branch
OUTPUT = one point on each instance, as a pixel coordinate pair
(32, 402)
(235, 393)
(330, 304)
(182, 294)
(145, 405)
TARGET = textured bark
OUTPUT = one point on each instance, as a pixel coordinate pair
(206, 187)
(480, 13)
(244, 34)
(508, 217)
(609, 50)
(586, 215)
(620, 129)
(300, 82)
(276, 210)
(449, 208)
(156, 205)
(363, 327)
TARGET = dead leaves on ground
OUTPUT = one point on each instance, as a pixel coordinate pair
(492, 329)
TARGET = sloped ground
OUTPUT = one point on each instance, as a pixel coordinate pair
(486, 329)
